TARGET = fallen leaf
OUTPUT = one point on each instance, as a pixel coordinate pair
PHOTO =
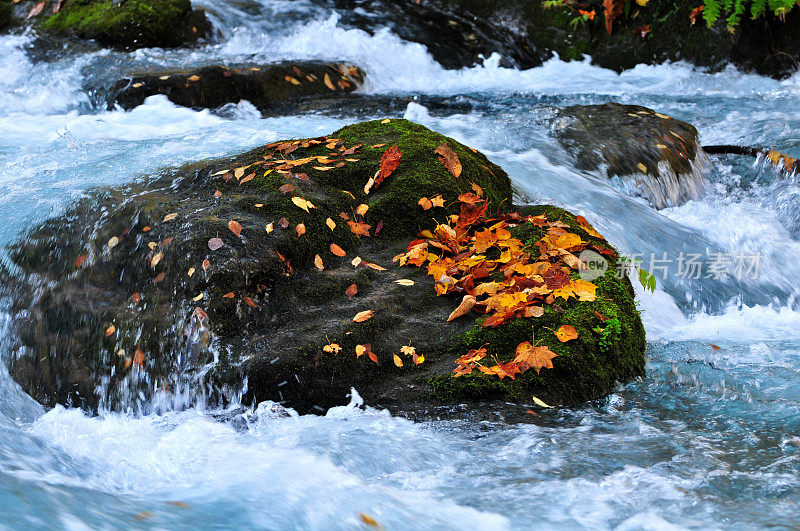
(642, 167)
(351, 291)
(235, 227)
(390, 160)
(80, 260)
(338, 251)
(229, 295)
(283, 223)
(302, 203)
(385, 121)
(397, 361)
(206, 264)
(449, 159)
(367, 519)
(217, 194)
(356, 261)
(194, 78)
(330, 223)
(248, 301)
(170, 217)
(301, 229)
(160, 277)
(318, 262)
(156, 259)
(286, 188)
(540, 403)
(528, 356)
(566, 333)
(425, 203)
(362, 209)
(190, 272)
(198, 297)
(110, 330)
(360, 317)
(113, 242)
(405, 282)
(247, 178)
(269, 227)
(138, 357)
(36, 10)
(332, 348)
(466, 305)
(328, 82)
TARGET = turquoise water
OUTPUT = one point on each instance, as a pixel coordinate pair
(709, 438)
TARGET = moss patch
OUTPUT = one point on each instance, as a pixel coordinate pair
(133, 23)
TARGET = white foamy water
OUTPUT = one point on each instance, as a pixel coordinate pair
(709, 438)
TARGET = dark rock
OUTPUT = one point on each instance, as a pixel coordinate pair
(262, 85)
(647, 153)
(767, 46)
(6, 14)
(260, 310)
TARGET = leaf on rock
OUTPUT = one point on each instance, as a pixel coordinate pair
(110, 330)
(330, 223)
(302, 203)
(301, 229)
(405, 282)
(338, 251)
(351, 291)
(362, 209)
(528, 356)
(235, 227)
(449, 159)
(318, 262)
(397, 361)
(286, 188)
(36, 10)
(390, 160)
(248, 301)
(360, 317)
(466, 305)
(425, 203)
(332, 348)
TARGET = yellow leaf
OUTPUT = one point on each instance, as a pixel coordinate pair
(642, 167)
(386, 121)
(540, 403)
(404, 282)
(360, 350)
(110, 330)
(328, 82)
(302, 203)
(318, 262)
(397, 361)
(170, 217)
(566, 333)
(333, 348)
(198, 298)
(330, 223)
(190, 272)
(269, 227)
(356, 261)
(156, 259)
(362, 209)
(408, 350)
(360, 317)
(113, 242)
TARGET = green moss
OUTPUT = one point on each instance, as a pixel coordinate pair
(582, 370)
(133, 23)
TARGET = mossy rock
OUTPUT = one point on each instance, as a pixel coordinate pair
(129, 24)
(652, 155)
(262, 85)
(260, 310)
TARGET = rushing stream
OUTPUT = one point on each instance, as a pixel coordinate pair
(710, 438)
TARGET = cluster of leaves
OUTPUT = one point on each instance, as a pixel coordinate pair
(476, 255)
(733, 10)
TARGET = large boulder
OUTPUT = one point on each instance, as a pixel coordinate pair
(644, 152)
(526, 32)
(273, 275)
(262, 85)
(128, 24)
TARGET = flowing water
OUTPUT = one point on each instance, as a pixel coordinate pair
(709, 438)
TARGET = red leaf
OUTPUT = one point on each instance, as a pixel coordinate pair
(389, 162)
(351, 291)
(36, 9)
(248, 301)
(235, 227)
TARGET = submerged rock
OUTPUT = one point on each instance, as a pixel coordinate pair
(259, 275)
(646, 153)
(127, 24)
(214, 86)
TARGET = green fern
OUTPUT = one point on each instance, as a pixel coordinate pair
(733, 10)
